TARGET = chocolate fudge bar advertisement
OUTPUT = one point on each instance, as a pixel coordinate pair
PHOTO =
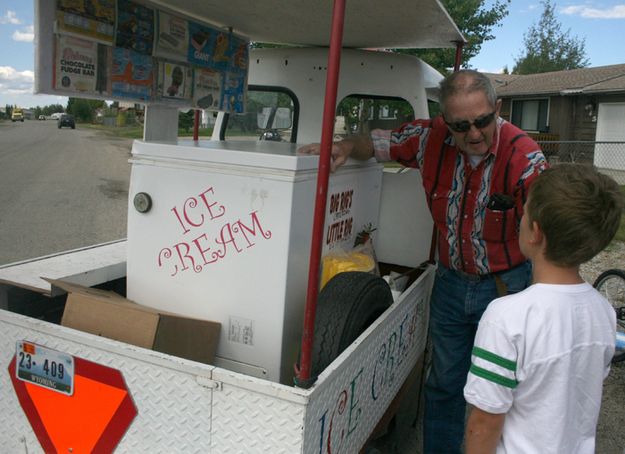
(93, 19)
(132, 75)
(81, 66)
(172, 37)
(135, 27)
(207, 88)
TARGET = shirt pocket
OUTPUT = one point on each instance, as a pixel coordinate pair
(499, 226)
(438, 207)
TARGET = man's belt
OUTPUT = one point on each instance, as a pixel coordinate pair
(502, 290)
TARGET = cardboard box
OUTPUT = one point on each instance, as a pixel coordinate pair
(110, 315)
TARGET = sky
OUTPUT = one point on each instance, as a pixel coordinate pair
(600, 22)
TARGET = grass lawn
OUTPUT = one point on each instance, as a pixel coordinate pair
(136, 132)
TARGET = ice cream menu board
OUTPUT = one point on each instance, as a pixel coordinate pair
(128, 50)
(207, 88)
(175, 80)
(172, 37)
(82, 66)
(135, 27)
(132, 75)
(91, 18)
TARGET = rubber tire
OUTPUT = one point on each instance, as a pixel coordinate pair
(620, 323)
(348, 304)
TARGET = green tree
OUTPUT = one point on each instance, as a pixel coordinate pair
(476, 21)
(548, 48)
(185, 120)
(52, 108)
(84, 109)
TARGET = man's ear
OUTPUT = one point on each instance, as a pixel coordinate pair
(498, 106)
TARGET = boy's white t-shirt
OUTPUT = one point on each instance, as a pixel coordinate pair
(541, 356)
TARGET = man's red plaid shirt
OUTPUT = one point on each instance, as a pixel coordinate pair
(471, 237)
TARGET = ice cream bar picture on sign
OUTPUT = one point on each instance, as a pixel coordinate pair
(172, 37)
(175, 80)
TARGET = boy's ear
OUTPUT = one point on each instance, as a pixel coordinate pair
(537, 235)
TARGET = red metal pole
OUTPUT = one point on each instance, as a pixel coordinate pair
(196, 124)
(458, 59)
(332, 81)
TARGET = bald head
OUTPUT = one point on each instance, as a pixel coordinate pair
(464, 82)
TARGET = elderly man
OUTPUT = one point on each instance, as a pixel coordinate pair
(476, 169)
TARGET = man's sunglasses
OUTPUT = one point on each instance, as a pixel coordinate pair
(479, 123)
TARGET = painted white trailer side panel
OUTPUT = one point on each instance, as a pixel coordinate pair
(353, 393)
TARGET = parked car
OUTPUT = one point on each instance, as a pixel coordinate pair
(42, 117)
(66, 120)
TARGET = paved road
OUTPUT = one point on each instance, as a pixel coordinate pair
(59, 188)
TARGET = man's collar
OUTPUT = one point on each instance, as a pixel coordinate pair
(495, 146)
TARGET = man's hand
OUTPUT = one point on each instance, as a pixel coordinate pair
(483, 431)
(359, 147)
(340, 152)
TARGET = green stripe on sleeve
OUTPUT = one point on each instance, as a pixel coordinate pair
(491, 376)
(495, 359)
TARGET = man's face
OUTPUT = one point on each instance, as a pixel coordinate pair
(469, 107)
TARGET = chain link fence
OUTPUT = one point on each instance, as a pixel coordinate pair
(608, 157)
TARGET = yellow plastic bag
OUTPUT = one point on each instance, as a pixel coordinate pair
(341, 261)
(360, 258)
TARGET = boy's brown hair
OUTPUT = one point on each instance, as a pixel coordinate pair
(578, 209)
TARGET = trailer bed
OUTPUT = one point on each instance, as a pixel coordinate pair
(185, 406)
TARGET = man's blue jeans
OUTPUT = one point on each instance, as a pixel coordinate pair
(456, 306)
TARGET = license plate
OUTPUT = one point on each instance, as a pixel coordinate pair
(45, 367)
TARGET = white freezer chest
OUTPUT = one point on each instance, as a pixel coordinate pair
(228, 237)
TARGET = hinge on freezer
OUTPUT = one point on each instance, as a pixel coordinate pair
(208, 383)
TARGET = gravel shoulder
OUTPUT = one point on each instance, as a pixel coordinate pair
(612, 416)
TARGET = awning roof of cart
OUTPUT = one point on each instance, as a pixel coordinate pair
(368, 23)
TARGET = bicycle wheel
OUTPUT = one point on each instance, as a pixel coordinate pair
(611, 284)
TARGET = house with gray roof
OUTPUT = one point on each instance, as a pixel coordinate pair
(566, 104)
(586, 104)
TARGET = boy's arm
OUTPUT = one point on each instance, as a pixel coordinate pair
(483, 431)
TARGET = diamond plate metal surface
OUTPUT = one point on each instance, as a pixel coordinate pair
(174, 410)
(251, 422)
(352, 394)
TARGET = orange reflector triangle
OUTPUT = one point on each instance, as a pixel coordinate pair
(94, 419)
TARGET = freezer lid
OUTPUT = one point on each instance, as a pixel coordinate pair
(368, 23)
(242, 154)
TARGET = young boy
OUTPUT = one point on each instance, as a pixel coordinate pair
(540, 356)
